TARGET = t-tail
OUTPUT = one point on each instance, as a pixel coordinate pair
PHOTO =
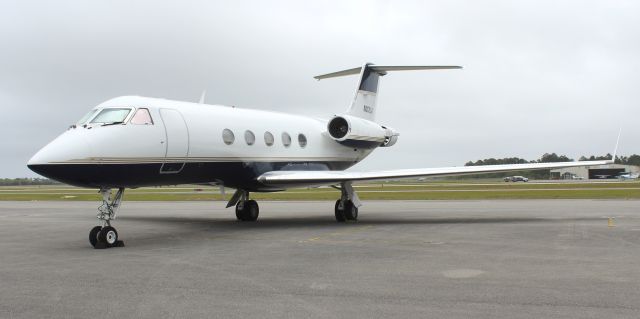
(358, 127)
(364, 104)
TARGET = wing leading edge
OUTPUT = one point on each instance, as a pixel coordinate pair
(315, 178)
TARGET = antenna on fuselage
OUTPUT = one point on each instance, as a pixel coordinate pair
(204, 92)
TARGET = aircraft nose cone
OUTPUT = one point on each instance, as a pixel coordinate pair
(39, 158)
(71, 145)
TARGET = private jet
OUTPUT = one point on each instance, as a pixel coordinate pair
(133, 141)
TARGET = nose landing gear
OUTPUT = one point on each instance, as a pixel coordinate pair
(106, 236)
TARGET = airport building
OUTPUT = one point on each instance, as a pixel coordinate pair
(594, 172)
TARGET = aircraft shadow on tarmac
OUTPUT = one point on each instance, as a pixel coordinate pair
(308, 221)
(216, 228)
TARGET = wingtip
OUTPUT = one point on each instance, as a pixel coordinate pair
(615, 150)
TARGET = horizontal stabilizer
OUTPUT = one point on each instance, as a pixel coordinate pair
(382, 69)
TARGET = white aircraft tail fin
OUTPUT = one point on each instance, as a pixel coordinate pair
(364, 101)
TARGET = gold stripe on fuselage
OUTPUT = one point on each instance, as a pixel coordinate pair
(152, 160)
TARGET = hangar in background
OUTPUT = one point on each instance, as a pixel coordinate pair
(594, 172)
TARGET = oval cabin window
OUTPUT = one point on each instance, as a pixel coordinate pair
(302, 140)
(286, 139)
(268, 138)
(249, 137)
(227, 136)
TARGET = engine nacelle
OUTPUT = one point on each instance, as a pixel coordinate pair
(391, 137)
(358, 132)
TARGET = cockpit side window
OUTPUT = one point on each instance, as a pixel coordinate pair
(142, 117)
(85, 118)
(111, 116)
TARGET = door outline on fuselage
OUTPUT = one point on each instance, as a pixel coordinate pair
(167, 166)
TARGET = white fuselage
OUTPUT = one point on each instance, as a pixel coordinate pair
(185, 145)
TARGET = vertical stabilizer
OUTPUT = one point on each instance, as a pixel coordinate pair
(365, 98)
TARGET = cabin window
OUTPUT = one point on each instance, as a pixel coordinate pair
(249, 137)
(286, 139)
(142, 117)
(268, 138)
(111, 116)
(302, 140)
(85, 118)
(227, 136)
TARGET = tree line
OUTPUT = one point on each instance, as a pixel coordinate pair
(546, 158)
(26, 181)
(625, 160)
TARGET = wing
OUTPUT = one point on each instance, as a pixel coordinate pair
(287, 179)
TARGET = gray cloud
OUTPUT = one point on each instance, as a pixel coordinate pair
(539, 76)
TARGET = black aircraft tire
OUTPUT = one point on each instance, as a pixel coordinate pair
(249, 212)
(93, 235)
(350, 211)
(339, 213)
(108, 236)
(252, 210)
(240, 212)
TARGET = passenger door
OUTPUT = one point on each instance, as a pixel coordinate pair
(177, 141)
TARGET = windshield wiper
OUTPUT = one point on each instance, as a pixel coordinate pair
(113, 123)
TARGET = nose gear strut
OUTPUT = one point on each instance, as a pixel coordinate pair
(105, 235)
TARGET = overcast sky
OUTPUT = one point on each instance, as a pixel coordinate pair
(539, 76)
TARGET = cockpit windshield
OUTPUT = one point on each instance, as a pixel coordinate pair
(111, 116)
(85, 118)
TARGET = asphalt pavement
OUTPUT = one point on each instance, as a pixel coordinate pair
(406, 259)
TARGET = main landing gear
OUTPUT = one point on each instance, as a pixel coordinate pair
(346, 208)
(247, 210)
(106, 236)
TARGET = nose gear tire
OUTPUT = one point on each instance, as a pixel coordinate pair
(93, 235)
(108, 235)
